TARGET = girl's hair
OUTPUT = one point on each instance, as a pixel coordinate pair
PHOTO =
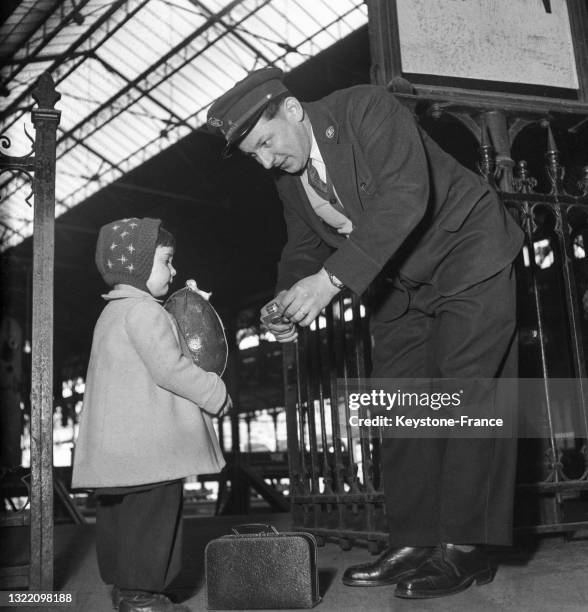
(165, 238)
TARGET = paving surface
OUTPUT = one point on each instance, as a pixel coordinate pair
(543, 575)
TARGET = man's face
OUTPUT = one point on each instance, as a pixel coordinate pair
(282, 142)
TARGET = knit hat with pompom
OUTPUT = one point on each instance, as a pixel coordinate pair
(125, 251)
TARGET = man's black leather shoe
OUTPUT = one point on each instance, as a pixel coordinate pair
(392, 565)
(137, 601)
(447, 571)
(117, 595)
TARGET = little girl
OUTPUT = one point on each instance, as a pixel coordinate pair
(143, 426)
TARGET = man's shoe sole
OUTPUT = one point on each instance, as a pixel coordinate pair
(482, 578)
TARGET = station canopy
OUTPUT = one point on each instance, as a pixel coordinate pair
(135, 76)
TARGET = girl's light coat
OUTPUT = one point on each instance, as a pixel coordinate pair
(141, 420)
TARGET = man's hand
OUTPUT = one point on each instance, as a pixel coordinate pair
(283, 329)
(305, 299)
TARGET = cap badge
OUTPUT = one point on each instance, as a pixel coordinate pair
(330, 131)
(215, 122)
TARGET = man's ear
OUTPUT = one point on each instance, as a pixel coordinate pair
(293, 108)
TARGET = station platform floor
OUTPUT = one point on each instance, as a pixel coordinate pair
(543, 574)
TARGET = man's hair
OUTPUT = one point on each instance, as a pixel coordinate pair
(165, 238)
(274, 105)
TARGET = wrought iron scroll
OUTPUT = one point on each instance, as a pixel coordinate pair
(23, 164)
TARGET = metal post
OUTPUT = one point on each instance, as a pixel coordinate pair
(497, 126)
(45, 119)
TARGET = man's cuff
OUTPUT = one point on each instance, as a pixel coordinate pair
(354, 268)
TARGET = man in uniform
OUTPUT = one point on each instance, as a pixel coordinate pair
(371, 202)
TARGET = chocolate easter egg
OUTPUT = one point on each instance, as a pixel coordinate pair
(202, 334)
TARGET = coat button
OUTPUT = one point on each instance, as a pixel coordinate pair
(363, 187)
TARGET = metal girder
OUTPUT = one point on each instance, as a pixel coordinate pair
(153, 99)
(24, 61)
(215, 34)
(105, 18)
(10, 229)
(39, 26)
(140, 87)
(236, 34)
(51, 69)
(147, 80)
(65, 18)
(166, 193)
(135, 90)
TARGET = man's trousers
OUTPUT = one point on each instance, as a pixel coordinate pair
(451, 489)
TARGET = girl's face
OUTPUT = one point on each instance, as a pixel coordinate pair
(162, 272)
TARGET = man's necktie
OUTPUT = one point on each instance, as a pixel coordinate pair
(322, 189)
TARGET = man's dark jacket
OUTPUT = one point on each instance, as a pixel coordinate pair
(413, 207)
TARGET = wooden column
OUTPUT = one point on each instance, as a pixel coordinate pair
(45, 119)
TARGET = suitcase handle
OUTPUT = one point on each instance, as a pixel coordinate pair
(266, 529)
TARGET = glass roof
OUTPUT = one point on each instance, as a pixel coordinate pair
(135, 76)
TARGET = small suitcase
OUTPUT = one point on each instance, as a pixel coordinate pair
(266, 570)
